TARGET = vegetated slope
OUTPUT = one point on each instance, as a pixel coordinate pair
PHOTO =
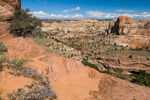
(71, 79)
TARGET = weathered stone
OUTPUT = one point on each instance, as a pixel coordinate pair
(7, 8)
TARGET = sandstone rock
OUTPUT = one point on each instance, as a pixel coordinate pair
(4, 28)
(115, 65)
(129, 21)
(5, 14)
(76, 26)
(123, 26)
(121, 19)
(24, 47)
(7, 8)
(16, 4)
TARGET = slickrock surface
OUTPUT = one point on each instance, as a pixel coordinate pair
(24, 47)
(72, 80)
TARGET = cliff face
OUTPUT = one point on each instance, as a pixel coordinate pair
(7, 8)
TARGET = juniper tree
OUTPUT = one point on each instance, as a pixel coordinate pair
(24, 24)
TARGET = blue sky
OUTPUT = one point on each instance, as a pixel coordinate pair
(95, 9)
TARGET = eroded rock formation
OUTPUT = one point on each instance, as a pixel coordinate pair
(76, 26)
(123, 26)
(116, 65)
(7, 8)
(126, 26)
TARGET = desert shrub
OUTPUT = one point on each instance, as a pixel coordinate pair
(36, 91)
(147, 24)
(121, 76)
(2, 47)
(130, 57)
(24, 24)
(142, 78)
(3, 59)
(1, 67)
(137, 49)
(17, 63)
(86, 63)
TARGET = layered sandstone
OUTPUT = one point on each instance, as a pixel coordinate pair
(123, 26)
(7, 8)
(126, 26)
(116, 65)
(76, 26)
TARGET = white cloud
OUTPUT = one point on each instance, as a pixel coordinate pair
(72, 9)
(144, 13)
(41, 14)
(78, 8)
(66, 10)
(42, 1)
(102, 15)
(122, 10)
(90, 14)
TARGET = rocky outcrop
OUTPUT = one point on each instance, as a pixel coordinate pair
(16, 4)
(123, 26)
(134, 34)
(116, 65)
(126, 26)
(24, 47)
(7, 8)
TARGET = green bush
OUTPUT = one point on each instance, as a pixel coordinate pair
(121, 76)
(2, 47)
(24, 24)
(16, 63)
(3, 59)
(130, 57)
(142, 78)
(86, 63)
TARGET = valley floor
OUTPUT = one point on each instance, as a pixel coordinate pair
(69, 78)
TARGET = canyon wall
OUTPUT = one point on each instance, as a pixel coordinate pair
(122, 26)
(76, 26)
